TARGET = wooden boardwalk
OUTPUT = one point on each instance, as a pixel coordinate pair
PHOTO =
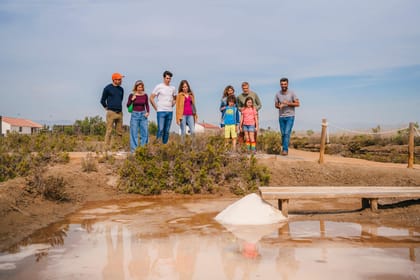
(368, 194)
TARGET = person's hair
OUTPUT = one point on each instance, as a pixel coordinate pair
(225, 92)
(284, 80)
(167, 73)
(249, 98)
(231, 98)
(136, 84)
(245, 84)
(181, 84)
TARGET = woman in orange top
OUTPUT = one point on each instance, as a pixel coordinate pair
(186, 112)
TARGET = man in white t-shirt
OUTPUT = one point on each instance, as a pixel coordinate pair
(163, 99)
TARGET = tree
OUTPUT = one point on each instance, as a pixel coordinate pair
(91, 126)
(376, 129)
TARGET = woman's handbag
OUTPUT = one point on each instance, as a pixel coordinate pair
(130, 108)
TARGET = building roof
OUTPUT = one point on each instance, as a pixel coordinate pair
(20, 122)
(208, 125)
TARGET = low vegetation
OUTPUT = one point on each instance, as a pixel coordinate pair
(205, 166)
(50, 188)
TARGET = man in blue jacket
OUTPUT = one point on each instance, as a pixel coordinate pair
(112, 97)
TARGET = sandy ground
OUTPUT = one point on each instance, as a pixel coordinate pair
(22, 213)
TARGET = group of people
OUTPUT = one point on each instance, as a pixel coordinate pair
(163, 98)
(239, 114)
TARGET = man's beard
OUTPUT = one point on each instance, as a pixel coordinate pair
(284, 88)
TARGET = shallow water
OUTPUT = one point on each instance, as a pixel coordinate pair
(160, 239)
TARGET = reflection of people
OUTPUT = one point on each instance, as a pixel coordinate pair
(163, 267)
(238, 260)
(111, 100)
(139, 266)
(186, 112)
(249, 250)
(139, 116)
(229, 90)
(286, 101)
(163, 100)
(249, 123)
(186, 255)
(231, 121)
(114, 268)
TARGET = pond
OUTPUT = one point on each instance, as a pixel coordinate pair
(179, 239)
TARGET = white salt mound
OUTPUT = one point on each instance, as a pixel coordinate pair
(250, 210)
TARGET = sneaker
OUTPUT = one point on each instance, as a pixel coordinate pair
(121, 153)
(284, 153)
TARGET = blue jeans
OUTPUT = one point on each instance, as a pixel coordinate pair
(286, 125)
(187, 120)
(138, 122)
(164, 120)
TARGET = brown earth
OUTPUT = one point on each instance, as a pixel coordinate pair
(22, 213)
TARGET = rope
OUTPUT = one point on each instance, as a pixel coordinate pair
(365, 132)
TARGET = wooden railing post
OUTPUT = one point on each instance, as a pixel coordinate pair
(411, 146)
(323, 137)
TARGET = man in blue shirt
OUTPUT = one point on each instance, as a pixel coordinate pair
(112, 97)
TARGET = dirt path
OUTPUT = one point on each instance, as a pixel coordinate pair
(298, 155)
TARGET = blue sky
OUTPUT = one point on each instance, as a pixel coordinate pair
(356, 63)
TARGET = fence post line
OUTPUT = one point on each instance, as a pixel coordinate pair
(323, 137)
(411, 146)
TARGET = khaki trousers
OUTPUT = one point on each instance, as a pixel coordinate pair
(111, 119)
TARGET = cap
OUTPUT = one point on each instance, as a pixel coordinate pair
(138, 82)
(117, 76)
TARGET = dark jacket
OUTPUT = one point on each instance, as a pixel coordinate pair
(112, 98)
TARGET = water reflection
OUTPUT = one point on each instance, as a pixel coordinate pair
(182, 241)
(114, 267)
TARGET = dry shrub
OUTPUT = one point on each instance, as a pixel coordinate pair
(89, 163)
(51, 187)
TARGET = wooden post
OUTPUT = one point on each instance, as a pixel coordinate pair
(374, 204)
(411, 146)
(284, 207)
(323, 136)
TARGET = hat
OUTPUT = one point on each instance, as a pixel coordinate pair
(117, 76)
(138, 82)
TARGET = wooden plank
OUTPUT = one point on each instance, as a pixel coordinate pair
(368, 194)
(339, 191)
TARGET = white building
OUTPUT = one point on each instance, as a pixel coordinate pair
(21, 126)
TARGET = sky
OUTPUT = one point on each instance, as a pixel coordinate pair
(355, 63)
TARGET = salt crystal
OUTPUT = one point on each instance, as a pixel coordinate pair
(250, 210)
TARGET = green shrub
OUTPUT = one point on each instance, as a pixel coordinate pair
(269, 142)
(202, 167)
